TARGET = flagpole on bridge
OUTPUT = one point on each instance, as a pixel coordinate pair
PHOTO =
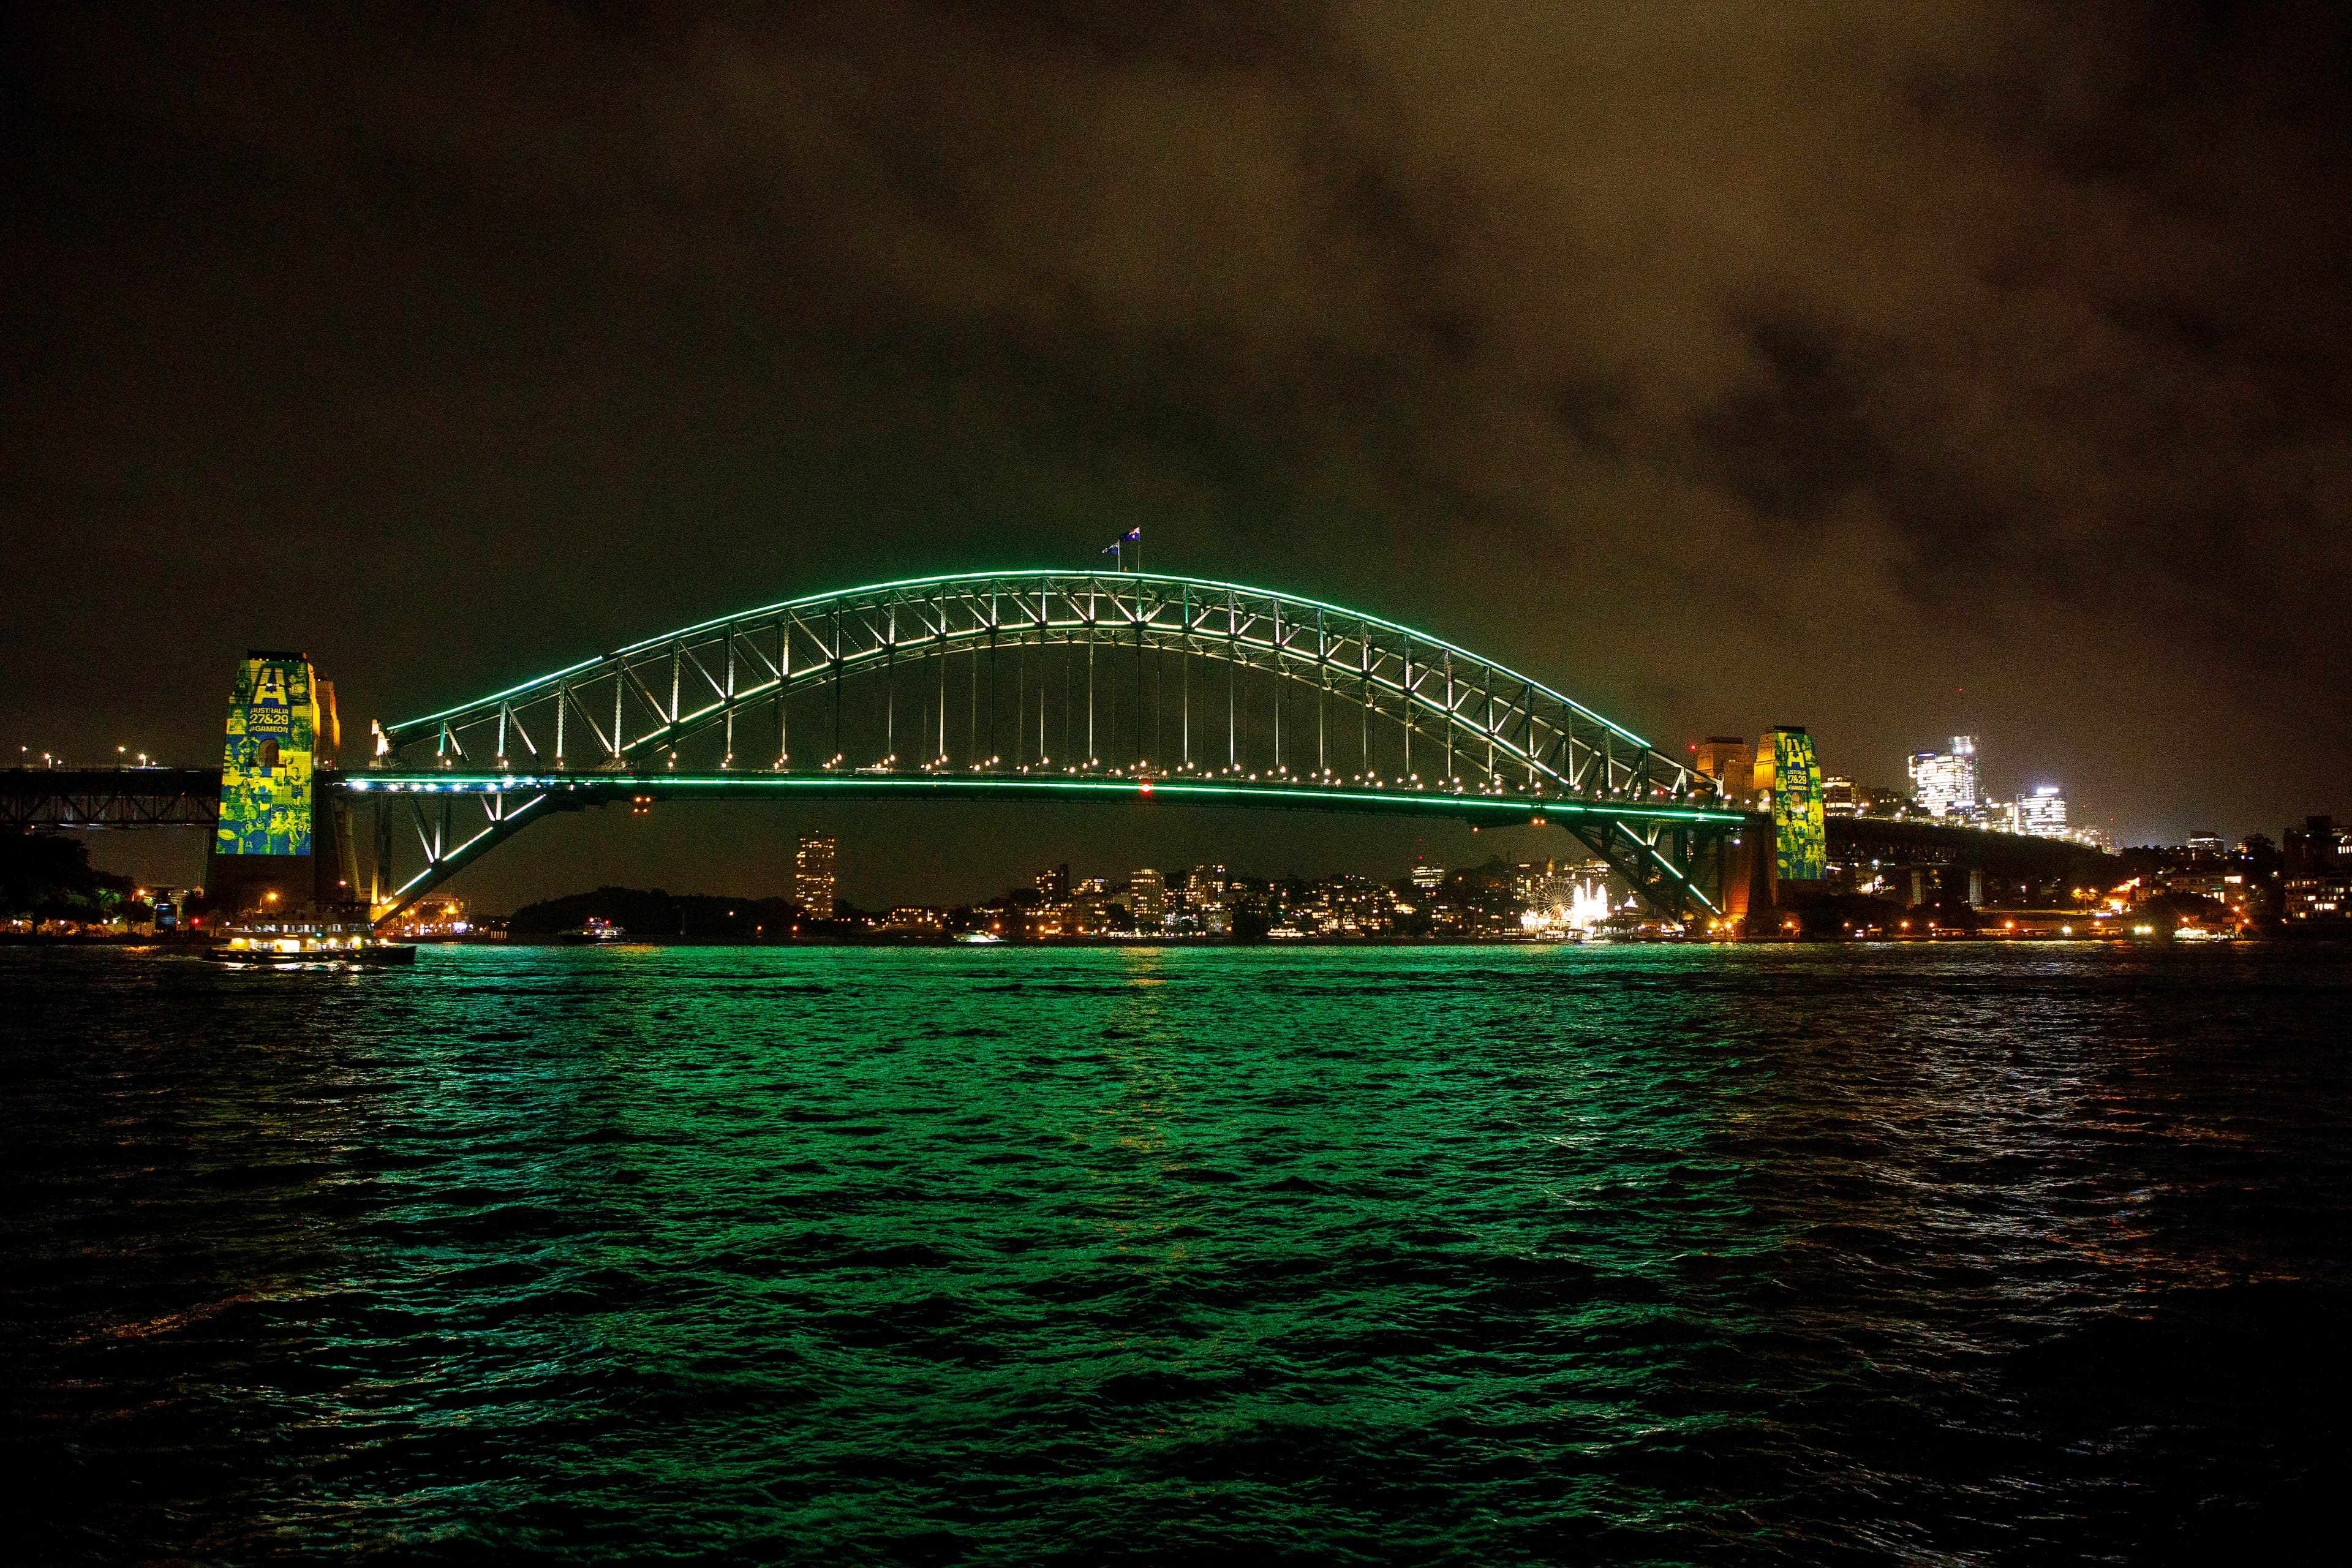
(1116, 549)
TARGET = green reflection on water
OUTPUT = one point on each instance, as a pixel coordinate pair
(871, 1242)
(1002, 1256)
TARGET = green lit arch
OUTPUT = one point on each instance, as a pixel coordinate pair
(1403, 663)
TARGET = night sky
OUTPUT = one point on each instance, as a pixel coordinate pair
(1892, 370)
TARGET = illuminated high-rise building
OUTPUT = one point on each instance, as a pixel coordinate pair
(1147, 898)
(1944, 783)
(2042, 814)
(1206, 891)
(813, 875)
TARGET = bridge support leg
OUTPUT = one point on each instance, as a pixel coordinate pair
(380, 872)
(1666, 872)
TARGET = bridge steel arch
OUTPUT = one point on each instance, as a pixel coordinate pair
(881, 689)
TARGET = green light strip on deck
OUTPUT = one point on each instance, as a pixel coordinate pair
(1514, 805)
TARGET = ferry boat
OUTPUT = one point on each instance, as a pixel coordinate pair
(292, 940)
(594, 929)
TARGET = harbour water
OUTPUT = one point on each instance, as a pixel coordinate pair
(1638, 1253)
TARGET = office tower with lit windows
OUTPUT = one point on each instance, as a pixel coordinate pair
(2042, 814)
(1206, 891)
(1944, 783)
(813, 875)
(1147, 898)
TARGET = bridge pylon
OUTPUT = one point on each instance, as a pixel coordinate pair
(283, 838)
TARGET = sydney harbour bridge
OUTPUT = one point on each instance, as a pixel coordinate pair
(1136, 689)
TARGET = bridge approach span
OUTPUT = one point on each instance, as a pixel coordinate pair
(109, 797)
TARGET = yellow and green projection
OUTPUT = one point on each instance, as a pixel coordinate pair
(273, 722)
(1797, 827)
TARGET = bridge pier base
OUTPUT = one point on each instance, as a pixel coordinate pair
(1745, 879)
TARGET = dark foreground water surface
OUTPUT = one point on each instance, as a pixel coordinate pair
(1970, 1253)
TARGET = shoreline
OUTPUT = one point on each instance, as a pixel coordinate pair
(2285, 938)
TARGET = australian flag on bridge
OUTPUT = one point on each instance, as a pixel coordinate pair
(1117, 548)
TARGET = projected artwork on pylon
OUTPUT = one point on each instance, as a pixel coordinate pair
(265, 796)
(1798, 826)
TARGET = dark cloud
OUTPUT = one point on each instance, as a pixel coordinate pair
(1799, 441)
(1727, 365)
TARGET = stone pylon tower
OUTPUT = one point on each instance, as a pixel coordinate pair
(284, 842)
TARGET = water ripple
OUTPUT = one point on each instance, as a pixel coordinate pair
(1395, 1255)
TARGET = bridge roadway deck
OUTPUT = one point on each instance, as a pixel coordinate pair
(190, 797)
(87, 798)
(601, 788)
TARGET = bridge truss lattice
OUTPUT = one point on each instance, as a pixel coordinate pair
(1082, 681)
